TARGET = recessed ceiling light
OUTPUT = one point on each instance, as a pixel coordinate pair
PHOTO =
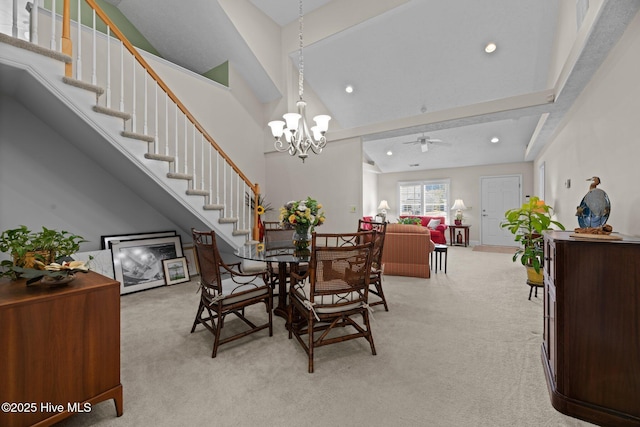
(495, 139)
(348, 89)
(389, 153)
(490, 48)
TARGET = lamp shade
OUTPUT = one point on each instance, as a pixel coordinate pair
(458, 205)
(383, 205)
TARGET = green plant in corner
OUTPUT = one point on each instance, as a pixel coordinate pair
(527, 224)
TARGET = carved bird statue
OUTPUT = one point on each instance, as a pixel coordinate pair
(595, 207)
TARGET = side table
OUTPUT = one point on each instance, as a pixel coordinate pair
(452, 234)
(438, 251)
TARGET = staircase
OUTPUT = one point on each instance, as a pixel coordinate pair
(125, 115)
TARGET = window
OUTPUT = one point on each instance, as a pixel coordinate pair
(425, 198)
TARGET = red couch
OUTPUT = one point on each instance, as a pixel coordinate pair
(437, 234)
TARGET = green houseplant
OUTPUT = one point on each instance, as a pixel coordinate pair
(30, 249)
(527, 224)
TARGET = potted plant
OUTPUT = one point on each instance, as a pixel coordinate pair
(411, 221)
(527, 224)
(34, 250)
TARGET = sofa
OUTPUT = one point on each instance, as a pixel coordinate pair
(406, 250)
(438, 233)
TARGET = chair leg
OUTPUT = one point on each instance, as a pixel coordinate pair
(369, 335)
(198, 316)
(381, 295)
(310, 333)
(216, 340)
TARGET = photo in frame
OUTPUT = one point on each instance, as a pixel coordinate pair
(192, 263)
(137, 264)
(106, 240)
(175, 270)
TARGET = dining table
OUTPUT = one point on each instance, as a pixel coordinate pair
(281, 252)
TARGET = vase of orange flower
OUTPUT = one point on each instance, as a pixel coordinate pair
(302, 216)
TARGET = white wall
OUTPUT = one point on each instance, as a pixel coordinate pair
(599, 136)
(370, 199)
(465, 185)
(334, 178)
(46, 181)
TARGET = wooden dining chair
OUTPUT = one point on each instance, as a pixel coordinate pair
(333, 293)
(232, 294)
(377, 268)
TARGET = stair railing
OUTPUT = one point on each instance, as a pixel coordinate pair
(150, 110)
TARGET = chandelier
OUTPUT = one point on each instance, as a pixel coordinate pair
(298, 136)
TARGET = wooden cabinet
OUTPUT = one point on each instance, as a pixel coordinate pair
(60, 349)
(591, 346)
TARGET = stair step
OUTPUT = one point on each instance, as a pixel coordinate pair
(140, 136)
(24, 44)
(160, 157)
(228, 220)
(83, 85)
(111, 112)
(179, 176)
(213, 207)
(241, 232)
(197, 193)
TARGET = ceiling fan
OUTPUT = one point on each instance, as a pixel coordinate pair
(424, 142)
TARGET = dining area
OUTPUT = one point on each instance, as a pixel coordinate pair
(323, 284)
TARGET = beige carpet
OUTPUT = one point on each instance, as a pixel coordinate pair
(459, 349)
(495, 249)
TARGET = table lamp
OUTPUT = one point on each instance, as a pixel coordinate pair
(459, 206)
(383, 206)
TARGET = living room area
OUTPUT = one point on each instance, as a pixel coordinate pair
(461, 348)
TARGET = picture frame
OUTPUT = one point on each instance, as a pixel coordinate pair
(175, 270)
(106, 240)
(99, 261)
(137, 263)
(192, 263)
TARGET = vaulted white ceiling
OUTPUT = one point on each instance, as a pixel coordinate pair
(418, 68)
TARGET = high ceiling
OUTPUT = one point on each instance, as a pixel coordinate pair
(418, 68)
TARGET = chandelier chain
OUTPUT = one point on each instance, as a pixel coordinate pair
(301, 57)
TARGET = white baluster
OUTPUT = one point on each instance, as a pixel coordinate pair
(193, 157)
(108, 67)
(145, 109)
(33, 31)
(186, 144)
(53, 25)
(224, 184)
(14, 20)
(121, 76)
(133, 100)
(94, 78)
(155, 120)
(175, 140)
(166, 123)
(78, 45)
(210, 174)
(202, 161)
(217, 177)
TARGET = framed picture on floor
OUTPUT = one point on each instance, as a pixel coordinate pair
(137, 264)
(175, 270)
(106, 240)
(192, 263)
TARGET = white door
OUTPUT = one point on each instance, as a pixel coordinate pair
(499, 194)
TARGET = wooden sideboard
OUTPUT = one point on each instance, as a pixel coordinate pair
(591, 348)
(60, 349)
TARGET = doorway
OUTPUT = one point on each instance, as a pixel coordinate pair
(499, 194)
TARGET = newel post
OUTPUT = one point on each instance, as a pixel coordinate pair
(67, 45)
(256, 229)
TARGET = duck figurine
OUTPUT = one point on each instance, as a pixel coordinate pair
(595, 207)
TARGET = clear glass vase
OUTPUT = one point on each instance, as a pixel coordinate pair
(302, 240)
